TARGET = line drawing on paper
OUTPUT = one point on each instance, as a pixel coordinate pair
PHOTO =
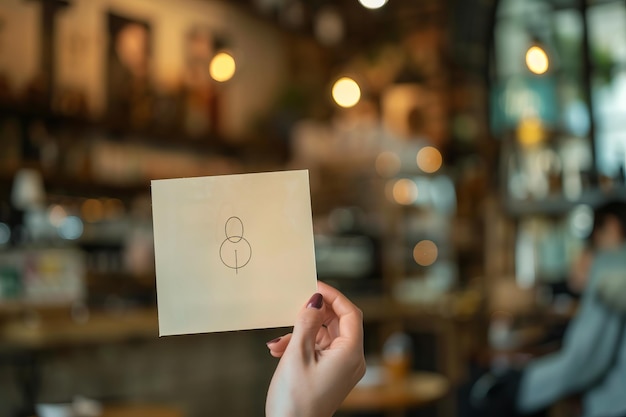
(235, 250)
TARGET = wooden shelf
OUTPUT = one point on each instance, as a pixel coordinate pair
(449, 307)
(54, 330)
(59, 331)
(80, 186)
(209, 143)
(556, 206)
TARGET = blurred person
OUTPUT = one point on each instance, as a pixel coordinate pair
(579, 270)
(592, 360)
(320, 361)
(609, 232)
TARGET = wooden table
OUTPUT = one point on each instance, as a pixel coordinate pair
(394, 396)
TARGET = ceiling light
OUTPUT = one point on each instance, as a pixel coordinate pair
(373, 4)
(222, 67)
(537, 60)
(346, 92)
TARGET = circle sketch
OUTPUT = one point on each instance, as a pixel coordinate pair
(235, 250)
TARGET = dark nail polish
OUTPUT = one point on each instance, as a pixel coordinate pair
(315, 301)
(273, 341)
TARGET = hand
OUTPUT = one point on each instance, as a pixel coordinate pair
(321, 361)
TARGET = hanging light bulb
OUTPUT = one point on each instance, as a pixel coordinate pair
(346, 92)
(222, 67)
(537, 60)
(373, 4)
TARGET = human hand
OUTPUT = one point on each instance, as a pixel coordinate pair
(321, 361)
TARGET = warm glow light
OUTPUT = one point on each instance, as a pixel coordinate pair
(429, 159)
(537, 60)
(404, 192)
(373, 4)
(530, 131)
(425, 253)
(222, 67)
(92, 210)
(387, 164)
(346, 92)
(113, 208)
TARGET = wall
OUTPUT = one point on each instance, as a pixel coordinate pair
(81, 44)
(19, 39)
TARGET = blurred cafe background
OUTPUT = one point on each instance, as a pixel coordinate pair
(456, 151)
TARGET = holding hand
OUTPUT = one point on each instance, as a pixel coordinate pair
(321, 361)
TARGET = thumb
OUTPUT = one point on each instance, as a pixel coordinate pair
(307, 325)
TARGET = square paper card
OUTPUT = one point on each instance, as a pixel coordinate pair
(232, 252)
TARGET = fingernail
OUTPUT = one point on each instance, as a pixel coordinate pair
(273, 341)
(315, 301)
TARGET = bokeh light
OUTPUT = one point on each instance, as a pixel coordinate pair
(222, 67)
(537, 60)
(530, 131)
(429, 159)
(113, 208)
(92, 210)
(425, 252)
(373, 4)
(71, 228)
(387, 164)
(328, 26)
(581, 221)
(56, 214)
(404, 191)
(346, 92)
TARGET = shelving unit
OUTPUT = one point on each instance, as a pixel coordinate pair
(551, 128)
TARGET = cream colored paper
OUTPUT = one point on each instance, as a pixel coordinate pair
(232, 252)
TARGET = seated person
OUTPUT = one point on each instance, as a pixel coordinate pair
(592, 361)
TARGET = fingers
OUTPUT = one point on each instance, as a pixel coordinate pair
(317, 328)
(323, 339)
(277, 346)
(350, 318)
(308, 323)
